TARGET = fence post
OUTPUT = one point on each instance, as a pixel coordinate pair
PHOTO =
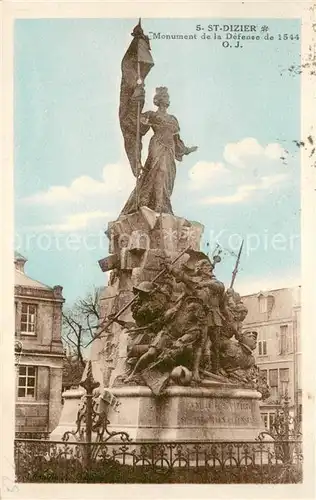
(286, 413)
(89, 384)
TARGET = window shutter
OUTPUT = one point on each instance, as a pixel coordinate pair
(43, 383)
(273, 378)
(290, 341)
(270, 303)
(284, 374)
(262, 304)
(283, 339)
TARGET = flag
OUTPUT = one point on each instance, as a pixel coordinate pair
(136, 64)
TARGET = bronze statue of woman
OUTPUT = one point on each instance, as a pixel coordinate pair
(156, 181)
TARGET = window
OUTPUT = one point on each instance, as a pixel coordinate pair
(28, 318)
(283, 339)
(270, 303)
(262, 304)
(262, 347)
(284, 379)
(16, 315)
(27, 382)
(268, 420)
(271, 421)
(274, 383)
(264, 417)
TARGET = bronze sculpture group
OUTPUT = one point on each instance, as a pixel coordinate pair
(189, 334)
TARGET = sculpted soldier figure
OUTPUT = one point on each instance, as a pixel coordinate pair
(151, 301)
(212, 292)
(177, 342)
(238, 312)
(238, 362)
(237, 357)
(148, 311)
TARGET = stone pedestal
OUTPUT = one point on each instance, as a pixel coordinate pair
(215, 413)
(67, 421)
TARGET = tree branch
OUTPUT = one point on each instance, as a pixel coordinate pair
(83, 319)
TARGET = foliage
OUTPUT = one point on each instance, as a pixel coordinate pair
(112, 472)
(72, 371)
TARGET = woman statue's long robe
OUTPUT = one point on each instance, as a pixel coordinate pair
(155, 185)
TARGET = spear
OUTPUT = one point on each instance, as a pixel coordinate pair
(124, 308)
(235, 271)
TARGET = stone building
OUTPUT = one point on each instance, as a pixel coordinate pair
(38, 353)
(275, 315)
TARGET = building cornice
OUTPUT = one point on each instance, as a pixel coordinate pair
(273, 290)
(38, 298)
(37, 293)
(272, 362)
(268, 322)
(33, 403)
(46, 361)
(43, 354)
(272, 406)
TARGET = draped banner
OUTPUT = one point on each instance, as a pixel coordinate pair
(136, 65)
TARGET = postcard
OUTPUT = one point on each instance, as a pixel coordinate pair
(158, 249)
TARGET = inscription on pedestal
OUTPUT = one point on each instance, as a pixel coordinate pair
(208, 412)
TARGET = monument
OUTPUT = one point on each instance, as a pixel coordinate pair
(170, 348)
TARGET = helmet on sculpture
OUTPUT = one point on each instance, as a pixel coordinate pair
(248, 338)
(204, 266)
(145, 287)
(189, 265)
(250, 333)
(181, 375)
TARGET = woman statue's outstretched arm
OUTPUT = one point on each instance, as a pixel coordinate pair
(180, 148)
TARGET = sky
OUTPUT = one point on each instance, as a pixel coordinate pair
(240, 106)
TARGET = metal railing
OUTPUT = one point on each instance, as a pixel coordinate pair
(94, 454)
(219, 462)
(31, 435)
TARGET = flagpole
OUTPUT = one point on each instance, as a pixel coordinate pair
(137, 138)
(138, 130)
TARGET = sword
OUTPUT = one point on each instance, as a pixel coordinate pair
(235, 271)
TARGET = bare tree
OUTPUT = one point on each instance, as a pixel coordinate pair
(80, 324)
(72, 372)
